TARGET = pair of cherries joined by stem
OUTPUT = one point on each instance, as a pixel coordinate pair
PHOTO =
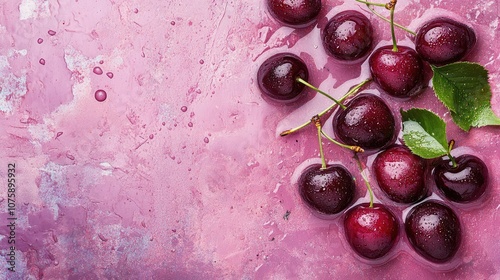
(366, 122)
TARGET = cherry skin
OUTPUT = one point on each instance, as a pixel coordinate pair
(295, 13)
(400, 174)
(433, 230)
(367, 122)
(371, 232)
(400, 73)
(327, 191)
(443, 40)
(464, 183)
(348, 36)
(277, 77)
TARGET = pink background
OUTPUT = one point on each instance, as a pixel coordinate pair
(180, 172)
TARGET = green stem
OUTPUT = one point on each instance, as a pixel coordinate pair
(356, 149)
(367, 183)
(317, 122)
(349, 93)
(389, 21)
(452, 159)
(393, 34)
(371, 3)
(300, 80)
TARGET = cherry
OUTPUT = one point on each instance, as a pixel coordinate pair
(366, 122)
(371, 231)
(443, 40)
(399, 73)
(328, 190)
(464, 182)
(433, 230)
(277, 77)
(296, 13)
(400, 174)
(348, 36)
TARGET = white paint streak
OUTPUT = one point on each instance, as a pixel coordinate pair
(34, 9)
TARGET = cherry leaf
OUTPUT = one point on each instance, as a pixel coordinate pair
(464, 89)
(424, 133)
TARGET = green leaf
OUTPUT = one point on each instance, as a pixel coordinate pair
(424, 133)
(463, 87)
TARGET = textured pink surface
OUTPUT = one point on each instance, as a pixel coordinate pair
(180, 173)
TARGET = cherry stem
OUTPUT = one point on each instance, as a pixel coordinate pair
(391, 6)
(452, 159)
(389, 21)
(356, 149)
(317, 122)
(371, 3)
(300, 80)
(349, 93)
(367, 183)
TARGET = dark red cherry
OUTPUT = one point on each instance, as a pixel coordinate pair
(366, 122)
(371, 232)
(296, 13)
(277, 77)
(433, 230)
(400, 174)
(327, 191)
(443, 40)
(464, 183)
(399, 74)
(348, 36)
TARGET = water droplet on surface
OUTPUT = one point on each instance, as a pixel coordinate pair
(202, 61)
(101, 61)
(136, 10)
(100, 95)
(190, 124)
(42, 61)
(206, 140)
(184, 108)
(110, 75)
(172, 22)
(70, 156)
(97, 70)
(151, 136)
(51, 32)
(39, 41)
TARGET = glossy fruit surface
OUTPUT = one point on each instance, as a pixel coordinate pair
(348, 36)
(366, 122)
(464, 183)
(399, 74)
(327, 191)
(371, 232)
(277, 76)
(296, 13)
(400, 174)
(443, 40)
(433, 230)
